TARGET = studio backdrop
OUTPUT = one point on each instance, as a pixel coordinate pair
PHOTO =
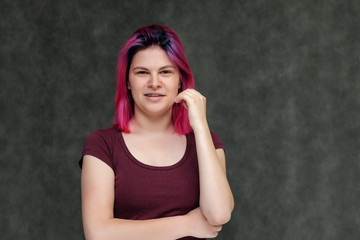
(281, 80)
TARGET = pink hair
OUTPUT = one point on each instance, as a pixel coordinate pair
(145, 37)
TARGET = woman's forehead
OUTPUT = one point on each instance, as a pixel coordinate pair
(151, 57)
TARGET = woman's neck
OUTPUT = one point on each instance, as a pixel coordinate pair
(151, 125)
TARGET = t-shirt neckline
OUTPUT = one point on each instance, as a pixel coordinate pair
(151, 167)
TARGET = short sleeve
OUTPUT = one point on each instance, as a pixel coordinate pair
(217, 141)
(98, 144)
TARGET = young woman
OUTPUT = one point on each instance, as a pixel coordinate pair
(159, 172)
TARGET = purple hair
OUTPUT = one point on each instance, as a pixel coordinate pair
(145, 37)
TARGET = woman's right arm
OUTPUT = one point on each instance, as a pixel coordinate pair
(97, 191)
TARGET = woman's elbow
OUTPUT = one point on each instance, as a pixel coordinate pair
(91, 235)
(94, 233)
(220, 218)
(95, 236)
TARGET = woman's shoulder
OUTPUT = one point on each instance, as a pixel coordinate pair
(217, 140)
(106, 132)
(101, 144)
(106, 136)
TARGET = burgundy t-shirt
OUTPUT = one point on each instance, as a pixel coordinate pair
(143, 191)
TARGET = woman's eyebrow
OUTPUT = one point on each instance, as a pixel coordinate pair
(144, 68)
(167, 66)
(140, 67)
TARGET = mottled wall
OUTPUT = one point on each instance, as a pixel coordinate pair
(282, 79)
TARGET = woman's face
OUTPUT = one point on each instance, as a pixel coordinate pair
(154, 81)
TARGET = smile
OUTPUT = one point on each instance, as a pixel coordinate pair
(154, 95)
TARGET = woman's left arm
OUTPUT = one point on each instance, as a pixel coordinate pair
(216, 199)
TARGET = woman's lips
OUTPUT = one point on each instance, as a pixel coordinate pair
(154, 95)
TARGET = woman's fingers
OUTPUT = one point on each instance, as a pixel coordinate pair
(195, 103)
(191, 97)
(183, 96)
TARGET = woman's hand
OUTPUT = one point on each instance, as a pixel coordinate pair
(199, 226)
(195, 103)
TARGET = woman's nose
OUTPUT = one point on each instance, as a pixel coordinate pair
(154, 81)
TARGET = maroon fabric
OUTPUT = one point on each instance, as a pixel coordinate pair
(143, 191)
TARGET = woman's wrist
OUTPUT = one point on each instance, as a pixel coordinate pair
(200, 127)
(183, 226)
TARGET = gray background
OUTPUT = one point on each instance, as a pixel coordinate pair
(282, 83)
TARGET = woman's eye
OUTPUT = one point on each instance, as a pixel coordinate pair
(166, 72)
(141, 72)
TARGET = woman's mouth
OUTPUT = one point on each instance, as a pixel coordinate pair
(153, 95)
